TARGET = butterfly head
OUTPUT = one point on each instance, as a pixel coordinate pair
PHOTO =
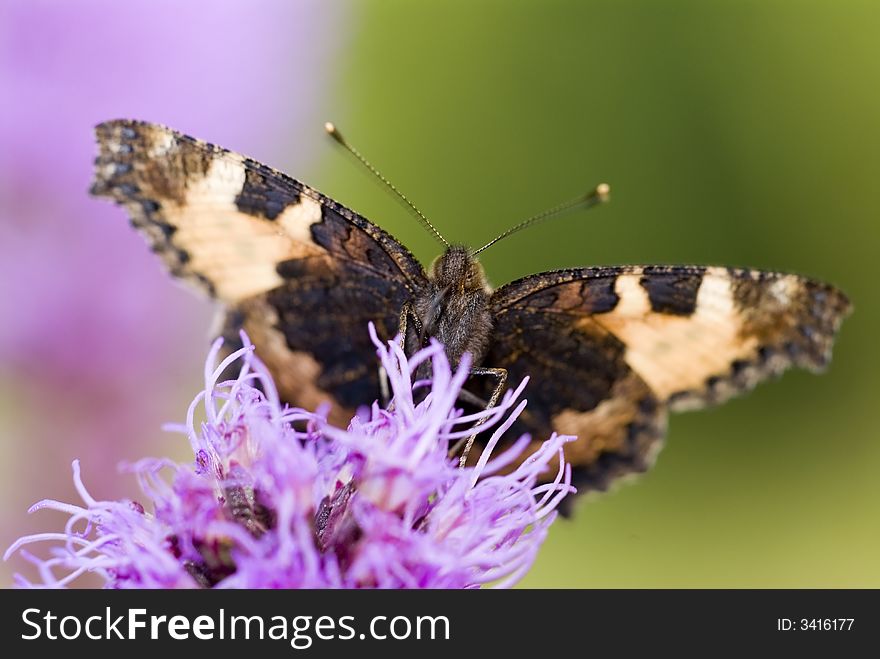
(457, 271)
(453, 309)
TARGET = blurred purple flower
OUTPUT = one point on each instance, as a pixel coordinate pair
(87, 313)
(78, 289)
(379, 505)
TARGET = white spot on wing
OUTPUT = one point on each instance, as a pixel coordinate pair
(221, 183)
(162, 142)
(297, 220)
(633, 298)
(784, 289)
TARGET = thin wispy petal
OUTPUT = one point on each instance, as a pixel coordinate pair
(275, 497)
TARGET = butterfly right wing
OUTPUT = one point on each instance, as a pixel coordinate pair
(611, 349)
(300, 273)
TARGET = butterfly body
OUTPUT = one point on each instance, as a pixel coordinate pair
(454, 307)
(610, 350)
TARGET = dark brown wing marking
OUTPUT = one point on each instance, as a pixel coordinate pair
(672, 292)
(680, 337)
(296, 269)
(580, 385)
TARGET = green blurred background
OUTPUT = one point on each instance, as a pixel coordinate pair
(740, 133)
(732, 132)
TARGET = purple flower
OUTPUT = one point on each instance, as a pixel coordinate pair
(72, 262)
(87, 313)
(277, 497)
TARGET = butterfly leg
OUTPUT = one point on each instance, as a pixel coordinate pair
(500, 375)
(406, 313)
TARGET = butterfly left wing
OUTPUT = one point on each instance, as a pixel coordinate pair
(609, 350)
(302, 274)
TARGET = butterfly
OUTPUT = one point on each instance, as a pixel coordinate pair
(610, 350)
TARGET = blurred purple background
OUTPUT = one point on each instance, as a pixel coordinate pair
(88, 375)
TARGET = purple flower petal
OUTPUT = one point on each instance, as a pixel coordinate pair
(263, 504)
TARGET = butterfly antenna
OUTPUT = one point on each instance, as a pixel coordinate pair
(599, 195)
(336, 135)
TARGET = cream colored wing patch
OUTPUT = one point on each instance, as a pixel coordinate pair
(701, 335)
(215, 221)
(232, 226)
(678, 352)
(236, 252)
